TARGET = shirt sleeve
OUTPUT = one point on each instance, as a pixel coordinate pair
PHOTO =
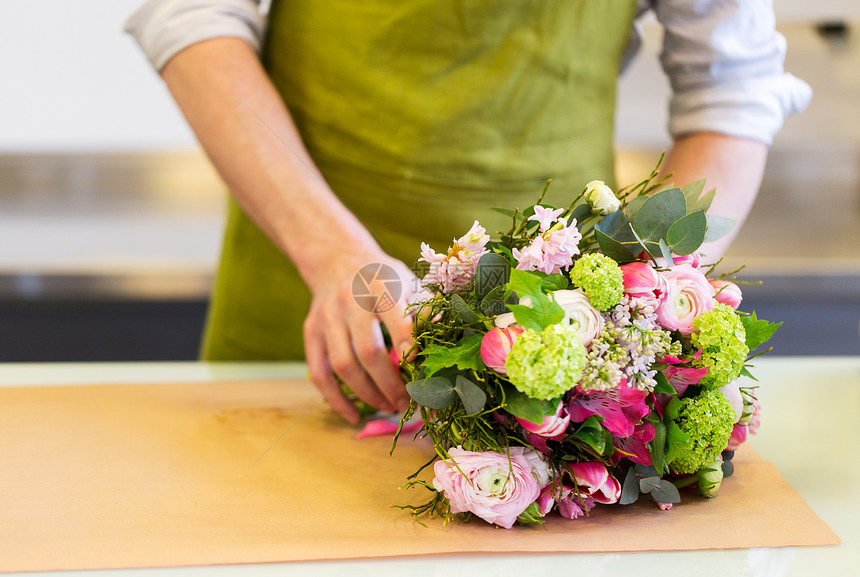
(164, 27)
(724, 59)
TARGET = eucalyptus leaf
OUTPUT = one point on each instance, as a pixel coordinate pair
(633, 206)
(473, 397)
(704, 202)
(666, 252)
(666, 492)
(686, 235)
(580, 212)
(433, 393)
(728, 468)
(630, 488)
(463, 310)
(493, 271)
(617, 227)
(657, 215)
(718, 227)
(612, 248)
(494, 303)
(521, 405)
(647, 484)
(692, 191)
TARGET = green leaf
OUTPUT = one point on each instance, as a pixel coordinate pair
(463, 310)
(466, 354)
(553, 282)
(718, 227)
(521, 405)
(433, 393)
(728, 468)
(612, 248)
(687, 234)
(630, 488)
(592, 433)
(666, 492)
(657, 215)
(704, 202)
(543, 312)
(657, 447)
(746, 373)
(504, 211)
(648, 484)
(473, 397)
(579, 213)
(493, 271)
(666, 252)
(663, 384)
(692, 191)
(758, 330)
(633, 206)
(494, 304)
(677, 441)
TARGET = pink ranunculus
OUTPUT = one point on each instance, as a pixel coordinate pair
(694, 260)
(552, 427)
(595, 481)
(689, 295)
(738, 436)
(495, 346)
(622, 408)
(642, 280)
(487, 484)
(755, 420)
(727, 292)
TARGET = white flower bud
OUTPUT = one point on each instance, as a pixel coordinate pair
(601, 198)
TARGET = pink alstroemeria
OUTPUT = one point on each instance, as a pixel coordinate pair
(635, 447)
(454, 270)
(594, 480)
(682, 377)
(592, 484)
(555, 245)
(622, 408)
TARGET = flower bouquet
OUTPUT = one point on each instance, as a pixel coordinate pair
(585, 357)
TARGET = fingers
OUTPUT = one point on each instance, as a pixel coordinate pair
(371, 352)
(322, 377)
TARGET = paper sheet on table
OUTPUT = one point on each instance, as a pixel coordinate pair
(246, 472)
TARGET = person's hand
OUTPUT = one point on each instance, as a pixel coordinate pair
(343, 335)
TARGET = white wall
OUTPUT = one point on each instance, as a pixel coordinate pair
(73, 81)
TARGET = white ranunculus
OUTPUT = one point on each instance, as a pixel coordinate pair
(732, 393)
(579, 312)
(601, 198)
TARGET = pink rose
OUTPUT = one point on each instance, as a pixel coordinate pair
(495, 346)
(552, 426)
(689, 295)
(642, 280)
(487, 485)
(727, 292)
(693, 260)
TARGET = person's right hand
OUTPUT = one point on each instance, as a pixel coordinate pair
(343, 335)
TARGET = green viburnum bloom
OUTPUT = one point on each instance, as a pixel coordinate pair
(708, 419)
(721, 336)
(600, 278)
(545, 365)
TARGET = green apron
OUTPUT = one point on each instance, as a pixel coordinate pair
(422, 115)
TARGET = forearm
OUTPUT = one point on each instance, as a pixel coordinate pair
(246, 130)
(732, 165)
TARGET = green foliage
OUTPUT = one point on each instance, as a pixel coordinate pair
(493, 271)
(594, 434)
(543, 311)
(521, 405)
(466, 354)
(757, 331)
